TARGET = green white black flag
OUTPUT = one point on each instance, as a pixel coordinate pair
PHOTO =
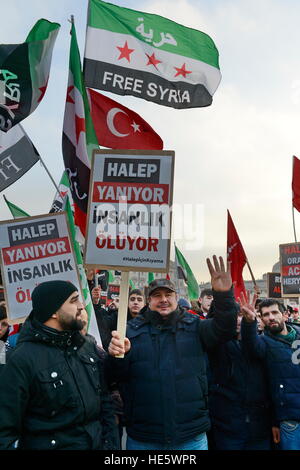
(24, 73)
(17, 155)
(130, 52)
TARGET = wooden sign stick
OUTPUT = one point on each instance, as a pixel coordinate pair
(123, 306)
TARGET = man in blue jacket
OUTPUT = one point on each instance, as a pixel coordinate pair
(277, 347)
(163, 374)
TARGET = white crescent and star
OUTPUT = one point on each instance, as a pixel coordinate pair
(110, 122)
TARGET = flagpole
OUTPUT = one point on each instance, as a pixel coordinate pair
(293, 211)
(294, 223)
(42, 162)
(176, 270)
(251, 273)
(49, 174)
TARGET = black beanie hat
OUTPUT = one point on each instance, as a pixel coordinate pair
(48, 297)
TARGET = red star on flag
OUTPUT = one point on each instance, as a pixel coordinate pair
(79, 126)
(43, 91)
(182, 71)
(125, 52)
(152, 60)
(63, 193)
(69, 97)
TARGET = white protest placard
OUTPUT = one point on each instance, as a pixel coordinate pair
(34, 250)
(129, 215)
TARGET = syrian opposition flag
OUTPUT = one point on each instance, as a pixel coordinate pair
(24, 73)
(184, 272)
(17, 155)
(129, 52)
(296, 183)
(117, 127)
(236, 256)
(79, 138)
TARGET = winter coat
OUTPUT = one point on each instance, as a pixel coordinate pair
(53, 394)
(104, 322)
(282, 365)
(163, 379)
(238, 400)
(197, 310)
(107, 321)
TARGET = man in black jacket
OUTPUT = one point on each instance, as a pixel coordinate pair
(239, 399)
(278, 349)
(163, 375)
(52, 391)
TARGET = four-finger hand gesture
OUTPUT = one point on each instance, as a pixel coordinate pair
(220, 278)
(247, 307)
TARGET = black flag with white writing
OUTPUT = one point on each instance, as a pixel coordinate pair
(17, 155)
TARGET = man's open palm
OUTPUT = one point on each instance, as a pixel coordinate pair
(220, 278)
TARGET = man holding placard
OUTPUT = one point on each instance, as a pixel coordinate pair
(163, 374)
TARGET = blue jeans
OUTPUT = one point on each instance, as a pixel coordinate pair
(225, 441)
(196, 443)
(290, 435)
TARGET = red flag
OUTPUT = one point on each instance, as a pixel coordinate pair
(237, 257)
(296, 183)
(118, 127)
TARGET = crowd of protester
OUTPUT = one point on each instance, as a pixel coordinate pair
(208, 374)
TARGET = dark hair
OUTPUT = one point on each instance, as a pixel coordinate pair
(206, 292)
(137, 292)
(3, 313)
(257, 302)
(268, 303)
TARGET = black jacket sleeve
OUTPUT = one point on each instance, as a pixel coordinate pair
(117, 369)
(252, 342)
(15, 381)
(222, 326)
(107, 322)
(110, 436)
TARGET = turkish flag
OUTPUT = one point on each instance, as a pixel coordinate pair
(118, 127)
(237, 257)
(296, 183)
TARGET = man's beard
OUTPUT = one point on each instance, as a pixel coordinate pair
(75, 324)
(276, 328)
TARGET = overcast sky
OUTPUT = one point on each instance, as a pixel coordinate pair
(235, 154)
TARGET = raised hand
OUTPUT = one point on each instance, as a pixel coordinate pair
(248, 307)
(220, 278)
